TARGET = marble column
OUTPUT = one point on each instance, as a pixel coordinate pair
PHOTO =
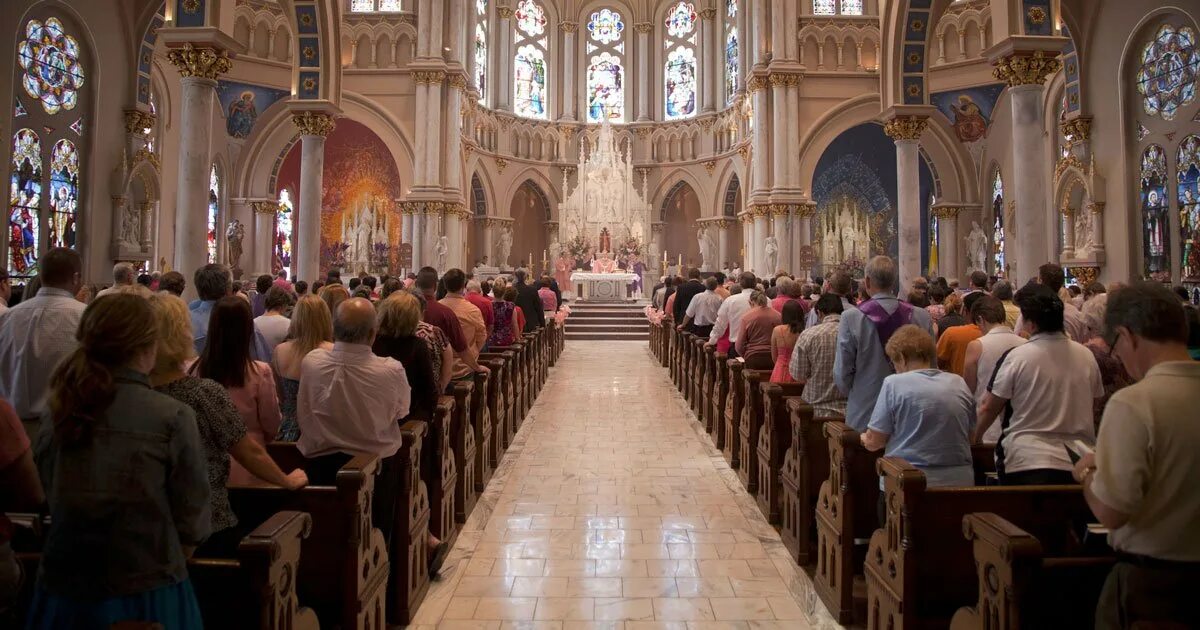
(804, 236)
(760, 167)
(1096, 210)
(313, 127)
(264, 234)
(709, 70)
(433, 233)
(418, 235)
(437, 7)
(569, 90)
(1066, 215)
(489, 245)
(781, 218)
(421, 86)
(778, 28)
(792, 152)
(406, 224)
(643, 30)
(722, 243)
(454, 239)
(761, 268)
(906, 131)
(433, 145)
(1026, 73)
(199, 68)
(780, 123)
(503, 84)
(453, 179)
(947, 240)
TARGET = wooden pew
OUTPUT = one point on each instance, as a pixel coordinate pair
(665, 340)
(805, 468)
(720, 398)
(409, 577)
(676, 354)
(710, 386)
(483, 400)
(1024, 584)
(749, 427)
(344, 574)
(700, 370)
(462, 443)
(774, 438)
(518, 374)
(845, 512)
(732, 448)
(920, 570)
(501, 364)
(439, 472)
(653, 329)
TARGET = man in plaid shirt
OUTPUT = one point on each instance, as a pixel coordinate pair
(812, 359)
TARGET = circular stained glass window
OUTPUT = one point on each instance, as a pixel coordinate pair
(50, 59)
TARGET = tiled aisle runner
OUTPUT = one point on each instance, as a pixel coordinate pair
(613, 510)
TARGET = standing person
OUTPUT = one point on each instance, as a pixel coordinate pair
(1051, 276)
(510, 294)
(923, 415)
(37, 334)
(222, 432)
(262, 284)
(549, 299)
(249, 383)
(685, 293)
(172, 282)
(983, 354)
(530, 303)
(213, 282)
(1140, 483)
(936, 308)
(783, 340)
(952, 343)
(978, 282)
(22, 492)
(955, 315)
(1003, 291)
(334, 295)
(701, 313)
(427, 282)
(1044, 389)
(124, 279)
(730, 314)
(311, 327)
(861, 364)
(506, 329)
(471, 320)
(840, 284)
(126, 482)
(477, 296)
(272, 324)
(1112, 371)
(813, 359)
(758, 327)
(441, 354)
(398, 317)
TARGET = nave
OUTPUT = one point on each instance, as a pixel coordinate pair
(613, 510)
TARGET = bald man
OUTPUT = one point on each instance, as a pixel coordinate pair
(350, 400)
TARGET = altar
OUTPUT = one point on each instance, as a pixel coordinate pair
(602, 287)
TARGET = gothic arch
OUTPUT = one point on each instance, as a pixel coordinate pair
(538, 177)
(671, 181)
(489, 190)
(728, 174)
(821, 133)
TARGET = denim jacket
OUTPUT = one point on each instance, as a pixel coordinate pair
(124, 504)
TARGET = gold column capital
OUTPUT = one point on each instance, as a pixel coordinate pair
(643, 27)
(1022, 68)
(906, 127)
(203, 62)
(139, 122)
(505, 12)
(567, 26)
(312, 123)
(264, 207)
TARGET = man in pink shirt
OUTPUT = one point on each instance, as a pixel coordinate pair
(546, 294)
(483, 303)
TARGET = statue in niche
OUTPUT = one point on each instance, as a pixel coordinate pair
(977, 248)
(771, 254)
(129, 224)
(440, 250)
(1083, 234)
(504, 245)
(708, 248)
(234, 234)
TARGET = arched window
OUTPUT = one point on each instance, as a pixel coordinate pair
(371, 6)
(680, 70)
(478, 198)
(732, 62)
(834, 7)
(529, 65)
(998, 224)
(214, 211)
(481, 48)
(284, 231)
(1187, 172)
(1156, 240)
(1167, 76)
(49, 119)
(606, 66)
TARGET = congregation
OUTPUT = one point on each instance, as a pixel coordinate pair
(130, 418)
(1091, 386)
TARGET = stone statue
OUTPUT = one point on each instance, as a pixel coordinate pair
(977, 245)
(129, 224)
(504, 247)
(234, 234)
(771, 255)
(440, 250)
(708, 248)
(1083, 234)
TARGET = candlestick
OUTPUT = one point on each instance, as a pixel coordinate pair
(680, 264)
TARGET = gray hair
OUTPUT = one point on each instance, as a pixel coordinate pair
(758, 298)
(1002, 290)
(354, 327)
(212, 281)
(473, 286)
(122, 273)
(784, 285)
(881, 271)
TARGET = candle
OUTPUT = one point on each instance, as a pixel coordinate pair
(664, 257)
(680, 264)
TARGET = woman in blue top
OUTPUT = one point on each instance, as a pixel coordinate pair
(126, 482)
(923, 415)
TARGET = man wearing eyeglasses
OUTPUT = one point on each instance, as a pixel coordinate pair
(1042, 394)
(1141, 481)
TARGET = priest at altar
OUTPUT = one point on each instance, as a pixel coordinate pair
(604, 263)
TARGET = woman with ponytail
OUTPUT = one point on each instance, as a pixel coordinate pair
(125, 479)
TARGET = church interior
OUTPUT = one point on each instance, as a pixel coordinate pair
(627, 139)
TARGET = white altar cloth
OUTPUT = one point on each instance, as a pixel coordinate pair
(602, 287)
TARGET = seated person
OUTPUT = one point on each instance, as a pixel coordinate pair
(923, 415)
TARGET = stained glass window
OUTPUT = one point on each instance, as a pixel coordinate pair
(998, 224)
(214, 208)
(731, 65)
(481, 49)
(478, 198)
(64, 194)
(389, 5)
(680, 70)
(284, 229)
(18, 110)
(359, 6)
(529, 65)
(25, 199)
(1167, 77)
(824, 7)
(731, 8)
(50, 59)
(1156, 241)
(1187, 169)
(606, 67)
(852, 7)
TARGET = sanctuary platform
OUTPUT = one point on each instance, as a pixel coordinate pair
(607, 322)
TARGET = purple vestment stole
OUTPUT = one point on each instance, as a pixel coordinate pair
(886, 324)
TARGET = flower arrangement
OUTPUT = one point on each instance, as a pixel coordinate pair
(852, 266)
(381, 257)
(653, 315)
(627, 250)
(578, 246)
(335, 254)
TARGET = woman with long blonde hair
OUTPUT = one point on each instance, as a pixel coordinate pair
(311, 328)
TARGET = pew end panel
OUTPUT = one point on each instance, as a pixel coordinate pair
(749, 425)
(409, 552)
(720, 399)
(462, 442)
(733, 413)
(773, 440)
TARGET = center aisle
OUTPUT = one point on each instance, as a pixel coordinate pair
(613, 510)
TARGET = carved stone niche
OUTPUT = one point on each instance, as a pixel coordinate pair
(135, 209)
(1080, 214)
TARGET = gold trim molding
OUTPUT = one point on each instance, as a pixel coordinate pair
(203, 63)
(906, 127)
(264, 207)
(314, 123)
(139, 122)
(1020, 69)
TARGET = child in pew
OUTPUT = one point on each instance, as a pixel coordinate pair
(923, 415)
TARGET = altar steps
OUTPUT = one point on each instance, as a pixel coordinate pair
(607, 322)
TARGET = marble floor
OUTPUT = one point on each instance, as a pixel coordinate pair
(612, 510)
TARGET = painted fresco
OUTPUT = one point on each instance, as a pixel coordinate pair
(969, 110)
(854, 187)
(241, 103)
(360, 221)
